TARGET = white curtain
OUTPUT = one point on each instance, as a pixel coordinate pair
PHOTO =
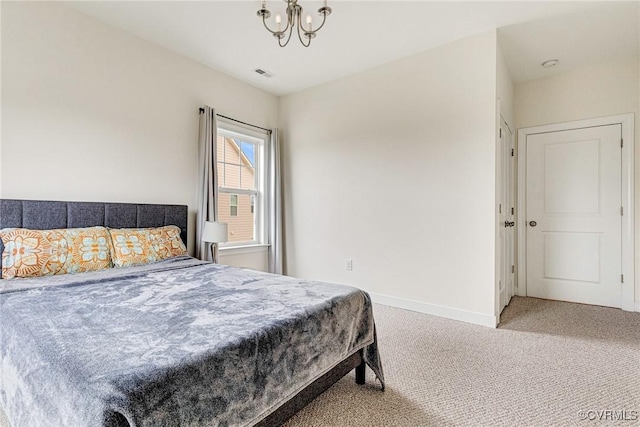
(275, 205)
(207, 180)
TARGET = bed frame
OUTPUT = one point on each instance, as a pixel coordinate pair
(45, 215)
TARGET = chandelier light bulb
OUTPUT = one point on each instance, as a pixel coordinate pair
(294, 21)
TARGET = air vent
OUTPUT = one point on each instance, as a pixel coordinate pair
(263, 73)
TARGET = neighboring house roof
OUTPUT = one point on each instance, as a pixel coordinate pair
(243, 156)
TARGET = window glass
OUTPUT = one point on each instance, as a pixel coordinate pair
(240, 185)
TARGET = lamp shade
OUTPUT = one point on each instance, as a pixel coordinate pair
(215, 232)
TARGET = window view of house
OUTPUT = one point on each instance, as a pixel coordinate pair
(237, 185)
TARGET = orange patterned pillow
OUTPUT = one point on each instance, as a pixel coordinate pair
(166, 242)
(131, 246)
(34, 253)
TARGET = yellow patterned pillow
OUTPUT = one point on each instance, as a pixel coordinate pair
(34, 253)
(131, 246)
(166, 242)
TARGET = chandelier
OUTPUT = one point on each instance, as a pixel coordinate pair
(294, 20)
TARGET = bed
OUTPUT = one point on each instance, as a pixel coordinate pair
(175, 342)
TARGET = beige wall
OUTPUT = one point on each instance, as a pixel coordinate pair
(395, 168)
(0, 101)
(92, 113)
(596, 91)
(255, 258)
(505, 88)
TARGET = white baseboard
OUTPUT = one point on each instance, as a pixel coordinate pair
(436, 310)
(638, 306)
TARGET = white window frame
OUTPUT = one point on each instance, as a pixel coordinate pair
(232, 130)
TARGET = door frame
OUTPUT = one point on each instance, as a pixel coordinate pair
(502, 181)
(628, 231)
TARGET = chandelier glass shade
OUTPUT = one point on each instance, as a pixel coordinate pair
(294, 12)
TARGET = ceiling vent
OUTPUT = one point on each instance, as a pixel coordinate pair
(263, 73)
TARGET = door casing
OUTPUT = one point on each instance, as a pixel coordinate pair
(506, 213)
(628, 231)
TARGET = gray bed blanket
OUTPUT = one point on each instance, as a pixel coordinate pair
(178, 342)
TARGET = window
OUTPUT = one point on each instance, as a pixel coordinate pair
(241, 183)
(233, 205)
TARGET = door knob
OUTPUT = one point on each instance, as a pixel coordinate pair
(533, 223)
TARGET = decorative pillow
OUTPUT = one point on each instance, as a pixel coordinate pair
(166, 242)
(34, 253)
(131, 246)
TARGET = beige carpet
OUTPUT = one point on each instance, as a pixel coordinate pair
(546, 362)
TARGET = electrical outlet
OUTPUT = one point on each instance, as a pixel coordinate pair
(348, 265)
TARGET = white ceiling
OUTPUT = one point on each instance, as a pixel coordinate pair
(228, 36)
(595, 34)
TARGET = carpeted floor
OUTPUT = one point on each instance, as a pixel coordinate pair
(549, 363)
(546, 362)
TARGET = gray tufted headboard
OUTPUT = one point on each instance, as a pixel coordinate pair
(46, 215)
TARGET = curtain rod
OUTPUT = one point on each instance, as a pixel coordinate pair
(238, 121)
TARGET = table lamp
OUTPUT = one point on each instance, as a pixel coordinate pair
(215, 232)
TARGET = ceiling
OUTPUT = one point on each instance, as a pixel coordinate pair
(595, 34)
(228, 36)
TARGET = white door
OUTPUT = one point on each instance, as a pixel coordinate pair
(573, 194)
(506, 215)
